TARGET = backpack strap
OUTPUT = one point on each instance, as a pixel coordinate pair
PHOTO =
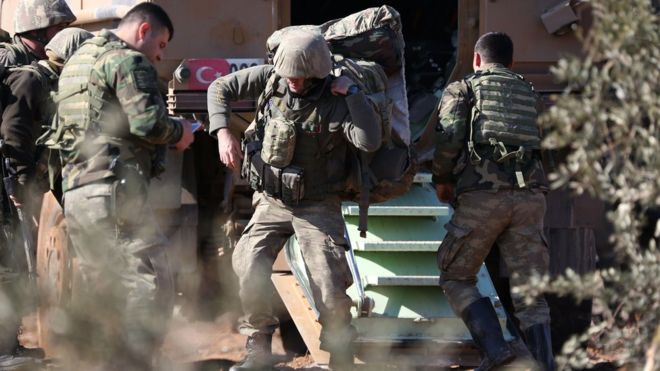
(269, 91)
(474, 113)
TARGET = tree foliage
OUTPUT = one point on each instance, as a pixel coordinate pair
(607, 121)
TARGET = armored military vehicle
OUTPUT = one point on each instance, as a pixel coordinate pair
(400, 311)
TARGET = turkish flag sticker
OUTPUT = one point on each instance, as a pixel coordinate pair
(204, 71)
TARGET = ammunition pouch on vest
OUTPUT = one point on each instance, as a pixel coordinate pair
(286, 184)
(279, 142)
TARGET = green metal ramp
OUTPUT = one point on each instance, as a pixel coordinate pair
(398, 302)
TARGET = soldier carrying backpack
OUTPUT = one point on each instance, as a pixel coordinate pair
(368, 47)
(295, 158)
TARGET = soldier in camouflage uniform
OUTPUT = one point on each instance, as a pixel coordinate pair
(488, 156)
(296, 161)
(36, 22)
(27, 107)
(109, 152)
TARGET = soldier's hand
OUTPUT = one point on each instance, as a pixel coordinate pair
(340, 85)
(229, 149)
(445, 192)
(187, 137)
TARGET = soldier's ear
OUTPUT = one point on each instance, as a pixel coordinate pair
(476, 61)
(142, 30)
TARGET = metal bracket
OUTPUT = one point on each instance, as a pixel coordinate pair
(559, 19)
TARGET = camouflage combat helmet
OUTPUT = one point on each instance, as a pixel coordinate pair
(303, 53)
(66, 42)
(36, 14)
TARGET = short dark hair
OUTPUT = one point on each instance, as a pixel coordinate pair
(151, 13)
(495, 47)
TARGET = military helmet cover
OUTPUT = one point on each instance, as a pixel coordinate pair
(37, 14)
(303, 53)
(66, 42)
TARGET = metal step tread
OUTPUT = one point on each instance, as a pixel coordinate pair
(403, 228)
(387, 246)
(419, 201)
(401, 280)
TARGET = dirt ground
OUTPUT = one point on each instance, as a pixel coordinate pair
(216, 346)
(201, 345)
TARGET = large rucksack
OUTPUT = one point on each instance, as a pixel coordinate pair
(368, 48)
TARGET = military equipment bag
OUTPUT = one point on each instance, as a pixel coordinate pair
(388, 172)
(503, 119)
(373, 34)
(368, 48)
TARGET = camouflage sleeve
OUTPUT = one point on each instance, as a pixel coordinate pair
(363, 128)
(21, 121)
(244, 84)
(135, 82)
(451, 131)
(7, 57)
(15, 53)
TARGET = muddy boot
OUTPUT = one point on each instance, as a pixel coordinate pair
(259, 354)
(540, 345)
(481, 320)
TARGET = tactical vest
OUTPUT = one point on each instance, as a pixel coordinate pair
(503, 119)
(90, 129)
(504, 109)
(313, 140)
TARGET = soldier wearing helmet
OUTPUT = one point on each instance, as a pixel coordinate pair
(109, 151)
(296, 161)
(36, 22)
(27, 106)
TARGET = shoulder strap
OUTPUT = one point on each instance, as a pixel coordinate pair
(56, 131)
(474, 112)
(269, 91)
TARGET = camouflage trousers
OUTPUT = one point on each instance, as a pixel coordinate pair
(121, 311)
(319, 229)
(514, 220)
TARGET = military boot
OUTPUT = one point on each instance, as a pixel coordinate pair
(481, 320)
(341, 360)
(539, 343)
(259, 354)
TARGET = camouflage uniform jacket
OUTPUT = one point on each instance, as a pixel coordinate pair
(16, 53)
(27, 107)
(451, 162)
(325, 123)
(126, 117)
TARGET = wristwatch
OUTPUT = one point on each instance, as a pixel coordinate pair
(352, 89)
